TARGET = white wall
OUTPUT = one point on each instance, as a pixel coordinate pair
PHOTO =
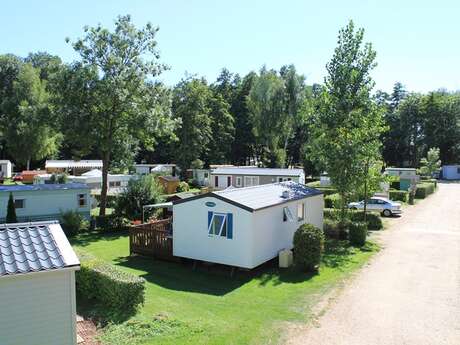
(6, 168)
(257, 237)
(38, 308)
(191, 239)
(272, 234)
(450, 172)
(44, 203)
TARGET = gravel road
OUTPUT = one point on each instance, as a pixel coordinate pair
(410, 292)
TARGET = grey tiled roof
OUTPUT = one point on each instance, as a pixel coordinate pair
(267, 195)
(32, 247)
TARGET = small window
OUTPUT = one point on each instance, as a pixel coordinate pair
(19, 203)
(81, 200)
(287, 215)
(458, 170)
(220, 224)
(239, 181)
(206, 175)
(300, 211)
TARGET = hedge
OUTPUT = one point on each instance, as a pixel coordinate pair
(332, 201)
(374, 221)
(399, 195)
(424, 189)
(327, 190)
(111, 222)
(108, 285)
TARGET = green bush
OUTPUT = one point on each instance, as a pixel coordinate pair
(331, 228)
(111, 222)
(108, 286)
(308, 247)
(399, 195)
(11, 210)
(73, 222)
(183, 187)
(327, 190)
(332, 201)
(423, 190)
(374, 221)
(357, 233)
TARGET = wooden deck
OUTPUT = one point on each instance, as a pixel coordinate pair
(152, 239)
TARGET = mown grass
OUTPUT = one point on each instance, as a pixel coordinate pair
(207, 306)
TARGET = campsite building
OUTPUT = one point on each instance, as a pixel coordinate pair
(167, 169)
(93, 178)
(37, 285)
(46, 201)
(6, 168)
(244, 227)
(71, 167)
(407, 176)
(221, 178)
(451, 172)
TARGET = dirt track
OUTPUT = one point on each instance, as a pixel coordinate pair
(410, 293)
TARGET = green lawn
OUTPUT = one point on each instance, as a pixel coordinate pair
(207, 306)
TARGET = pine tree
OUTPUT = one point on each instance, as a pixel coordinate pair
(11, 211)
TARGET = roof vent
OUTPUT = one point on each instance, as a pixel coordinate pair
(285, 194)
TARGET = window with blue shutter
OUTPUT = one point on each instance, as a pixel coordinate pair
(220, 224)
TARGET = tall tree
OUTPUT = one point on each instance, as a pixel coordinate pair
(222, 130)
(190, 105)
(242, 149)
(28, 120)
(346, 125)
(123, 106)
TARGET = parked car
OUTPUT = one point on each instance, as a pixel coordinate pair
(17, 177)
(383, 205)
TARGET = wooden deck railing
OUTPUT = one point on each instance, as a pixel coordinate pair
(152, 239)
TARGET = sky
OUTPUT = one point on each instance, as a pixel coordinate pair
(417, 42)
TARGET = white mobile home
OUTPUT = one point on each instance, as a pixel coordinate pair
(37, 285)
(73, 167)
(46, 201)
(221, 178)
(6, 169)
(93, 178)
(243, 227)
(144, 169)
(451, 172)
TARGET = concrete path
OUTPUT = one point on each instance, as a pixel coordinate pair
(410, 292)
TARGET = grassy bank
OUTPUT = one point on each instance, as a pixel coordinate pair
(207, 306)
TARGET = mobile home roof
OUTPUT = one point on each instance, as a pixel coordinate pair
(257, 171)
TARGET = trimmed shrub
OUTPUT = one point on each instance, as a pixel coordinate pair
(399, 195)
(11, 210)
(183, 187)
(423, 190)
(374, 221)
(109, 286)
(357, 233)
(308, 247)
(332, 201)
(331, 228)
(73, 222)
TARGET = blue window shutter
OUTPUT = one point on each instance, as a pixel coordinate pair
(229, 225)
(209, 218)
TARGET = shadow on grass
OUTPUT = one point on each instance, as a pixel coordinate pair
(87, 238)
(101, 314)
(337, 254)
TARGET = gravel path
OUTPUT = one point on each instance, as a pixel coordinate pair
(410, 293)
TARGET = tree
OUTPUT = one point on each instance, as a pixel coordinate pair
(243, 144)
(28, 122)
(412, 133)
(138, 193)
(190, 106)
(346, 124)
(121, 104)
(11, 211)
(222, 130)
(431, 164)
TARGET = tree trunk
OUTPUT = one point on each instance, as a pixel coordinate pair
(105, 173)
(28, 164)
(365, 191)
